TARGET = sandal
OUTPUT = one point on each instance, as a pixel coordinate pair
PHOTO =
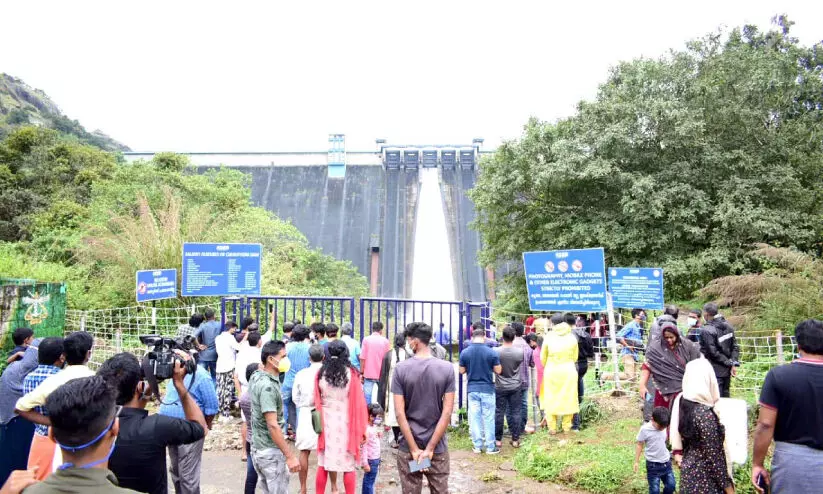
(515, 444)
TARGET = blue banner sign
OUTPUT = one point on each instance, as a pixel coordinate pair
(637, 288)
(155, 284)
(211, 270)
(566, 280)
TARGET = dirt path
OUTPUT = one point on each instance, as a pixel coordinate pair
(224, 473)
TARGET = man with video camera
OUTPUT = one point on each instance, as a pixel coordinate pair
(139, 459)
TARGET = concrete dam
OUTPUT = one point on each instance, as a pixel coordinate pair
(365, 207)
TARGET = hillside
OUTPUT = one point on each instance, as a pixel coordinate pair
(21, 105)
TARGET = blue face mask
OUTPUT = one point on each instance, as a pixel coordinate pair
(94, 441)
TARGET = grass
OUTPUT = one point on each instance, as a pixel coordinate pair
(599, 459)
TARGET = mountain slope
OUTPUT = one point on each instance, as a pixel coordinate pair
(20, 104)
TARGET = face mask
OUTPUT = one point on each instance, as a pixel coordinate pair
(692, 322)
(94, 441)
(378, 420)
(284, 365)
(409, 349)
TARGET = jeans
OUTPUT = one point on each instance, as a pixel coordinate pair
(524, 413)
(660, 472)
(582, 368)
(510, 404)
(211, 366)
(251, 473)
(481, 420)
(15, 442)
(370, 477)
(369, 387)
(289, 412)
(724, 383)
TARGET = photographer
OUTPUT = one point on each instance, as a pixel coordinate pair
(139, 459)
(185, 458)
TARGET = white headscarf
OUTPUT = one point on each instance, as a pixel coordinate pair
(699, 386)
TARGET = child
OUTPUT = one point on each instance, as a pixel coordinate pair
(22, 338)
(370, 452)
(658, 460)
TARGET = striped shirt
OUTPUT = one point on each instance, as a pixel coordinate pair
(298, 354)
(30, 383)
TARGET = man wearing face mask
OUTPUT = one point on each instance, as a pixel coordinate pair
(695, 323)
(270, 453)
(84, 425)
(423, 392)
(139, 460)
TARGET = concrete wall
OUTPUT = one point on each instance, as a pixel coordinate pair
(340, 215)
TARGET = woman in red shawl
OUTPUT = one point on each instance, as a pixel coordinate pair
(339, 398)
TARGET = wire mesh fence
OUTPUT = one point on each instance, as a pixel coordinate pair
(119, 330)
(759, 352)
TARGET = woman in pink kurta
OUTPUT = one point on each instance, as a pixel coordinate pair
(340, 400)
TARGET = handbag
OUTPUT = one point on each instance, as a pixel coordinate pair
(315, 421)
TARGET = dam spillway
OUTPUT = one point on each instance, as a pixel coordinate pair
(365, 209)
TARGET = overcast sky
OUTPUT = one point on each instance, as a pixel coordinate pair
(249, 76)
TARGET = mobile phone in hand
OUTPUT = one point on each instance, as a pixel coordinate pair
(761, 482)
(416, 467)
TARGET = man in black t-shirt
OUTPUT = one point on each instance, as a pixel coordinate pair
(791, 413)
(139, 458)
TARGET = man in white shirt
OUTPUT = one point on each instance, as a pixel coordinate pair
(227, 347)
(250, 353)
(303, 396)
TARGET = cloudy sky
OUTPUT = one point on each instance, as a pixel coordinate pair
(253, 76)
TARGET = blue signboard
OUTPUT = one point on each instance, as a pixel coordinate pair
(155, 284)
(637, 288)
(566, 280)
(221, 269)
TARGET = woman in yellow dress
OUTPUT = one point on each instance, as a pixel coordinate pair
(558, 398)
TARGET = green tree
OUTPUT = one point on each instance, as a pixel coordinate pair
(683, 162)
(40, 169)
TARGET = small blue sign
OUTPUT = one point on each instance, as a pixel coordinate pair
(566, 280)
(637, 288)
(155, 284)
(212, 270)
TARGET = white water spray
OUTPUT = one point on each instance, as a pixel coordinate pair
(432, 275)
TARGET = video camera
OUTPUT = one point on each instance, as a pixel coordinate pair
(161, 357)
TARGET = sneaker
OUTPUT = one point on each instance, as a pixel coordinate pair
(494, 451)
(476, 451)
(576, 431)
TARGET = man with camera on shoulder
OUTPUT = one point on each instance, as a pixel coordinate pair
(139, 458)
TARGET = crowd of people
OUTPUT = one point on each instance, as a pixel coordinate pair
(315, 388)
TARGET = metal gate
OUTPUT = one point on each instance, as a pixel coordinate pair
(270, 312)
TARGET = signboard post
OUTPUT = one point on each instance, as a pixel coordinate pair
(216, 270)
(637, 288)
(566, 280)
(155, 284)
